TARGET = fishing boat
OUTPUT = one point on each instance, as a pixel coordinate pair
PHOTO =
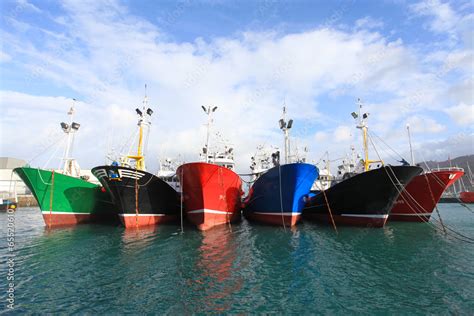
(363, 192)
(211, 189)
(279, 192)
(65, 196)
(141, 198)
(417, 202)
(7, 204)
(167, 172)
(466, 197)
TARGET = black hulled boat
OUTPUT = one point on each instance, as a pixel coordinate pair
(140, 197)
(364, 199)
(365, 191)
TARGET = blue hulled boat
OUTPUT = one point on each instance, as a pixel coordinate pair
(279, 192)
(278, 196)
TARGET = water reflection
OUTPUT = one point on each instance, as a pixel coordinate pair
(217, 271)
(134, 237)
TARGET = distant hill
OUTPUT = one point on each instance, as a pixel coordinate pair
(461, 162)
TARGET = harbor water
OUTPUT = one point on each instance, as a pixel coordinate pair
(404, 268)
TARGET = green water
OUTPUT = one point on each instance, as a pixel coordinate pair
(401, 269)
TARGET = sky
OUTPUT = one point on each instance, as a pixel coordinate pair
(409, 62)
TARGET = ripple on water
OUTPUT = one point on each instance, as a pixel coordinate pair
(402, 268)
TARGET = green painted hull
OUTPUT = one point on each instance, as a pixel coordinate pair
(67, 200)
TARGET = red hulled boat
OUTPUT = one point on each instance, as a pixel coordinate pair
(211, 190)
(466, 197)
(417, 201)
(211, 194)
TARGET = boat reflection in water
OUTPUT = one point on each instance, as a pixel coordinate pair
(216, 283)
(134, 237)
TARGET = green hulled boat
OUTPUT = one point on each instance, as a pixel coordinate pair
(64, 196)
(66, 200)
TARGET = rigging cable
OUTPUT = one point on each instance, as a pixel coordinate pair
(464, 237)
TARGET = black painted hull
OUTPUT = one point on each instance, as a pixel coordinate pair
(140, 197)
(362, 200)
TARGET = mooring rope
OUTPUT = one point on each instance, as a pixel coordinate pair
(181, 199)
(467, 207)
(227, 211)
(434, 202)
(281, 198)
(466, 238)
(51, 199)
(330, 212)
(136, 199)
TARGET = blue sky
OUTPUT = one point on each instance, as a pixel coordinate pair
(410, 62)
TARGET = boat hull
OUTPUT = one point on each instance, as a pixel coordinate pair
(417, 202)
(293, 182)
(66, 200)
(466, 197)
(362, 200)
(211, 194)
(141, 198)
(7, 205)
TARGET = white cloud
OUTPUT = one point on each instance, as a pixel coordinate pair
(343, 133)
(24, 4)
(320, 136)
(444, 17)
(439, 150)
(4, 57)
(369, 23)
(105, 55)
(423, 124)
(463, 114)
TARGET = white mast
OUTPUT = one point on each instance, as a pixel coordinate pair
(69, 129)
(209, 110)
(411, 149)
(285, 127)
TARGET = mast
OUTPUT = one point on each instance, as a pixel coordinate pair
(70, 129)
(208, 110)
(144, 121)
(362, 125)
(285, 127)
(411, 149)
(469, 174)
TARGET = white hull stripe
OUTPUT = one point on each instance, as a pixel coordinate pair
(100, 173)
(209, 212)
(367, 215)
(130, 174)
(278, 214)
(415, 214)
(133, 215)
(65, 213)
